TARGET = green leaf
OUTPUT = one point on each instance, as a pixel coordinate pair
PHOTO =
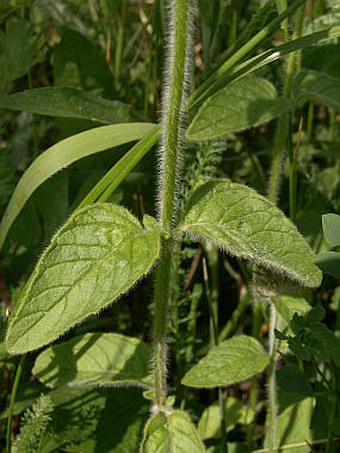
(209, 425)
(325, 345)
(318, 87)
(331, 229)
(208, 87)
(247, 225)
(94, 359)
(231, 361)
(64, 154)
(171, 433)
(68, 102)
(329, 263)
(291, 379)
(100, 253)
(95, 420)
(19, 51)
(287, 305)
(293, 430)
(246, 103)
(325, 56)
(78, 62)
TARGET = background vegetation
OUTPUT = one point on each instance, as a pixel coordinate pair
(110, 54)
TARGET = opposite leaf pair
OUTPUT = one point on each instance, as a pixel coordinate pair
(103, 250)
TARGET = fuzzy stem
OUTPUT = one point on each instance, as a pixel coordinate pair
(173, 102)
(172, 113)
(272, 409)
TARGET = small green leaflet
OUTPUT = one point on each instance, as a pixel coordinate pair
(171, 433)
(95, 359)
(246, 103)
(331, 229)
(209, 425)
(100, 253)
(247, 225)
(231, 361)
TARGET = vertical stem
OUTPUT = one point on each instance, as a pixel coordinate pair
(168, 155)
(172, 112)
(280, 141)
(11, 404)
(280, 146)
(214, 341)
(309, 127)
(253, 392)
(212, 253)
(119, 45)
(272, 409)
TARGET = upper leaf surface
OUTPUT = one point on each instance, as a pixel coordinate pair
(173, 433)
(94, 359)
(69, 102)
(95, 257)
(249, 226)
(318, 87)
(248, 102)
(231, 361)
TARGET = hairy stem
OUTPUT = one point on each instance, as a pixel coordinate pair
(272, 406)
(169, 163)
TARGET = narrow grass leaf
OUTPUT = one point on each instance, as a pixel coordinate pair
(247, 225)
(64, 154)
(318, 87)
(99, 254)
(231, 361)
(95, 359)
(331, 229)
(246, 103)
(68, 102)
(264, 58)
(171, 433)
(112, 178)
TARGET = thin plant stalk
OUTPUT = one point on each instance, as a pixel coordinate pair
(214, 342)
(12, 400)
(280, 145)
(119, 45)
(281, 135)
(173, 98)
(271, 420)
(207, 86)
